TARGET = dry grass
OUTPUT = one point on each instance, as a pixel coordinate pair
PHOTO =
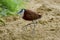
(47, 28)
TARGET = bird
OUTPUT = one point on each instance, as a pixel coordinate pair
(29, 15)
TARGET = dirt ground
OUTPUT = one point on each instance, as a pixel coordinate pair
(47, 27)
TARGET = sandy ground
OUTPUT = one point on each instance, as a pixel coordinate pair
(47, 27)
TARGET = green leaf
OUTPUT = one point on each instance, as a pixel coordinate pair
(12, 4)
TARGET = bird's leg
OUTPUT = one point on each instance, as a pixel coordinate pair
(33, 31)
(25, 27)
(35, 23)
(30, 24)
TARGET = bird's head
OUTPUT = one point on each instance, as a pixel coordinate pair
(21, 12)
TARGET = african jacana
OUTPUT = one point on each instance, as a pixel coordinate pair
(29, 15)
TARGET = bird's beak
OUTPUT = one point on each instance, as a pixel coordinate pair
(18, 13)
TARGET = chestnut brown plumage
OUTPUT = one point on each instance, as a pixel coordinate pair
(30, 15)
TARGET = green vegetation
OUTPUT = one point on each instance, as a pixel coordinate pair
(10, 7)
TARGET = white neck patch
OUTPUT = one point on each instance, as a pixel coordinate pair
(22, 13)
